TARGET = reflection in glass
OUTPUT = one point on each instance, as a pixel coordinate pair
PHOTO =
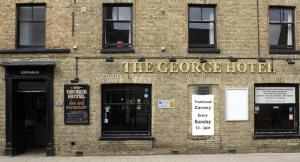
(201, 33)
(31, 26)
(124, 13)
(274, 15)
(208, 14)
(281, 28)
(126, 109)
(281, 34)
(117, 32)
(117, 26)
(201, 27)
(195, 14)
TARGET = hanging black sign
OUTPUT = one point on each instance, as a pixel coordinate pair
(76, 104)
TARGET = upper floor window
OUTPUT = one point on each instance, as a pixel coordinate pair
(117, 26)
(202, 27)
(281, 33)
(31, 26)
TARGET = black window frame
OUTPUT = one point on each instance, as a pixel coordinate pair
(128, 133)
(104, 20)
(282, 8)
(278, 133)
(203, 46)
(18, 6)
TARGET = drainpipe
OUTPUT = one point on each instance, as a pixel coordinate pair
(258, 32)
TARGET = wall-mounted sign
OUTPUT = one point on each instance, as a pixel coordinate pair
(196, 67)
(76, 104)
(274, 95)
(27, 72)
(166, 104)
(202, 115)
(236, 104)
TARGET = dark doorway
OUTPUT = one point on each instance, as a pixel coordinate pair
(29, 107)
(29, 115)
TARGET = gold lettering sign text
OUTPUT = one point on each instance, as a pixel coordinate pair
(196, 67)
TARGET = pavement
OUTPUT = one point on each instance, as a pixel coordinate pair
(257, 157)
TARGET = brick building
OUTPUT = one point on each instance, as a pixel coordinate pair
(149, 77)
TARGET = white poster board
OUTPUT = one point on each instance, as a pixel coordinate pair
(202, 115)
(236, 108)
(275, 95)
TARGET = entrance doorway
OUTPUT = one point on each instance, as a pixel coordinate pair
(29, 107)
(29, 116)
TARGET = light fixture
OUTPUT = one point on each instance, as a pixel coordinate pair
(75, 80)
(172, 59)
(261, 59)
(233, 59)
(203, 60)
(110, 59)
(290, 61)
(141, 59)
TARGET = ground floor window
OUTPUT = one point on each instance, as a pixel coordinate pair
(126, 109)
(276, 109)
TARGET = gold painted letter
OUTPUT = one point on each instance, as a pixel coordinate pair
(162, 67)
(126, 66)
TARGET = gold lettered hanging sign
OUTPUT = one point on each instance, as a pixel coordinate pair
(76, 104)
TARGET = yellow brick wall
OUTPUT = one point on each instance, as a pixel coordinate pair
(156, 23)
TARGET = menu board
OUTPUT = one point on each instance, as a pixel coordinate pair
(76, 104)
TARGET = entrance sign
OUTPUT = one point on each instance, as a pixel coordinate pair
(76, 104)
(202, 115)
(236, 104)
(274, 95)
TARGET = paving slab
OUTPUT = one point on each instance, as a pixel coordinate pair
(258, 157)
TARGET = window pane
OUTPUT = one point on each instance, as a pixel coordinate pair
(129, 117)
(32, 34)
(274, 15)
(290, 35)
(274, 117)
(124, 13)
(25, 13)
(208, 14)
(195, 13)
(281, 35)
(39, 13)
(118, 97)
(288, 16)
(117, 31)
(201, 33)
(274, 34)
(111, 13)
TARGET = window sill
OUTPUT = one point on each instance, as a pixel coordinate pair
(120, 138)
(201, 137)
(283, 51)
(277, 136)
(35, 50)
(203, 50)
(117, 50)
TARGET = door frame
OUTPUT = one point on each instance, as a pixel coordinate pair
(28, 71)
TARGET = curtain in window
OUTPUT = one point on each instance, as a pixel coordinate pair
(212, 28)
(290, 30)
